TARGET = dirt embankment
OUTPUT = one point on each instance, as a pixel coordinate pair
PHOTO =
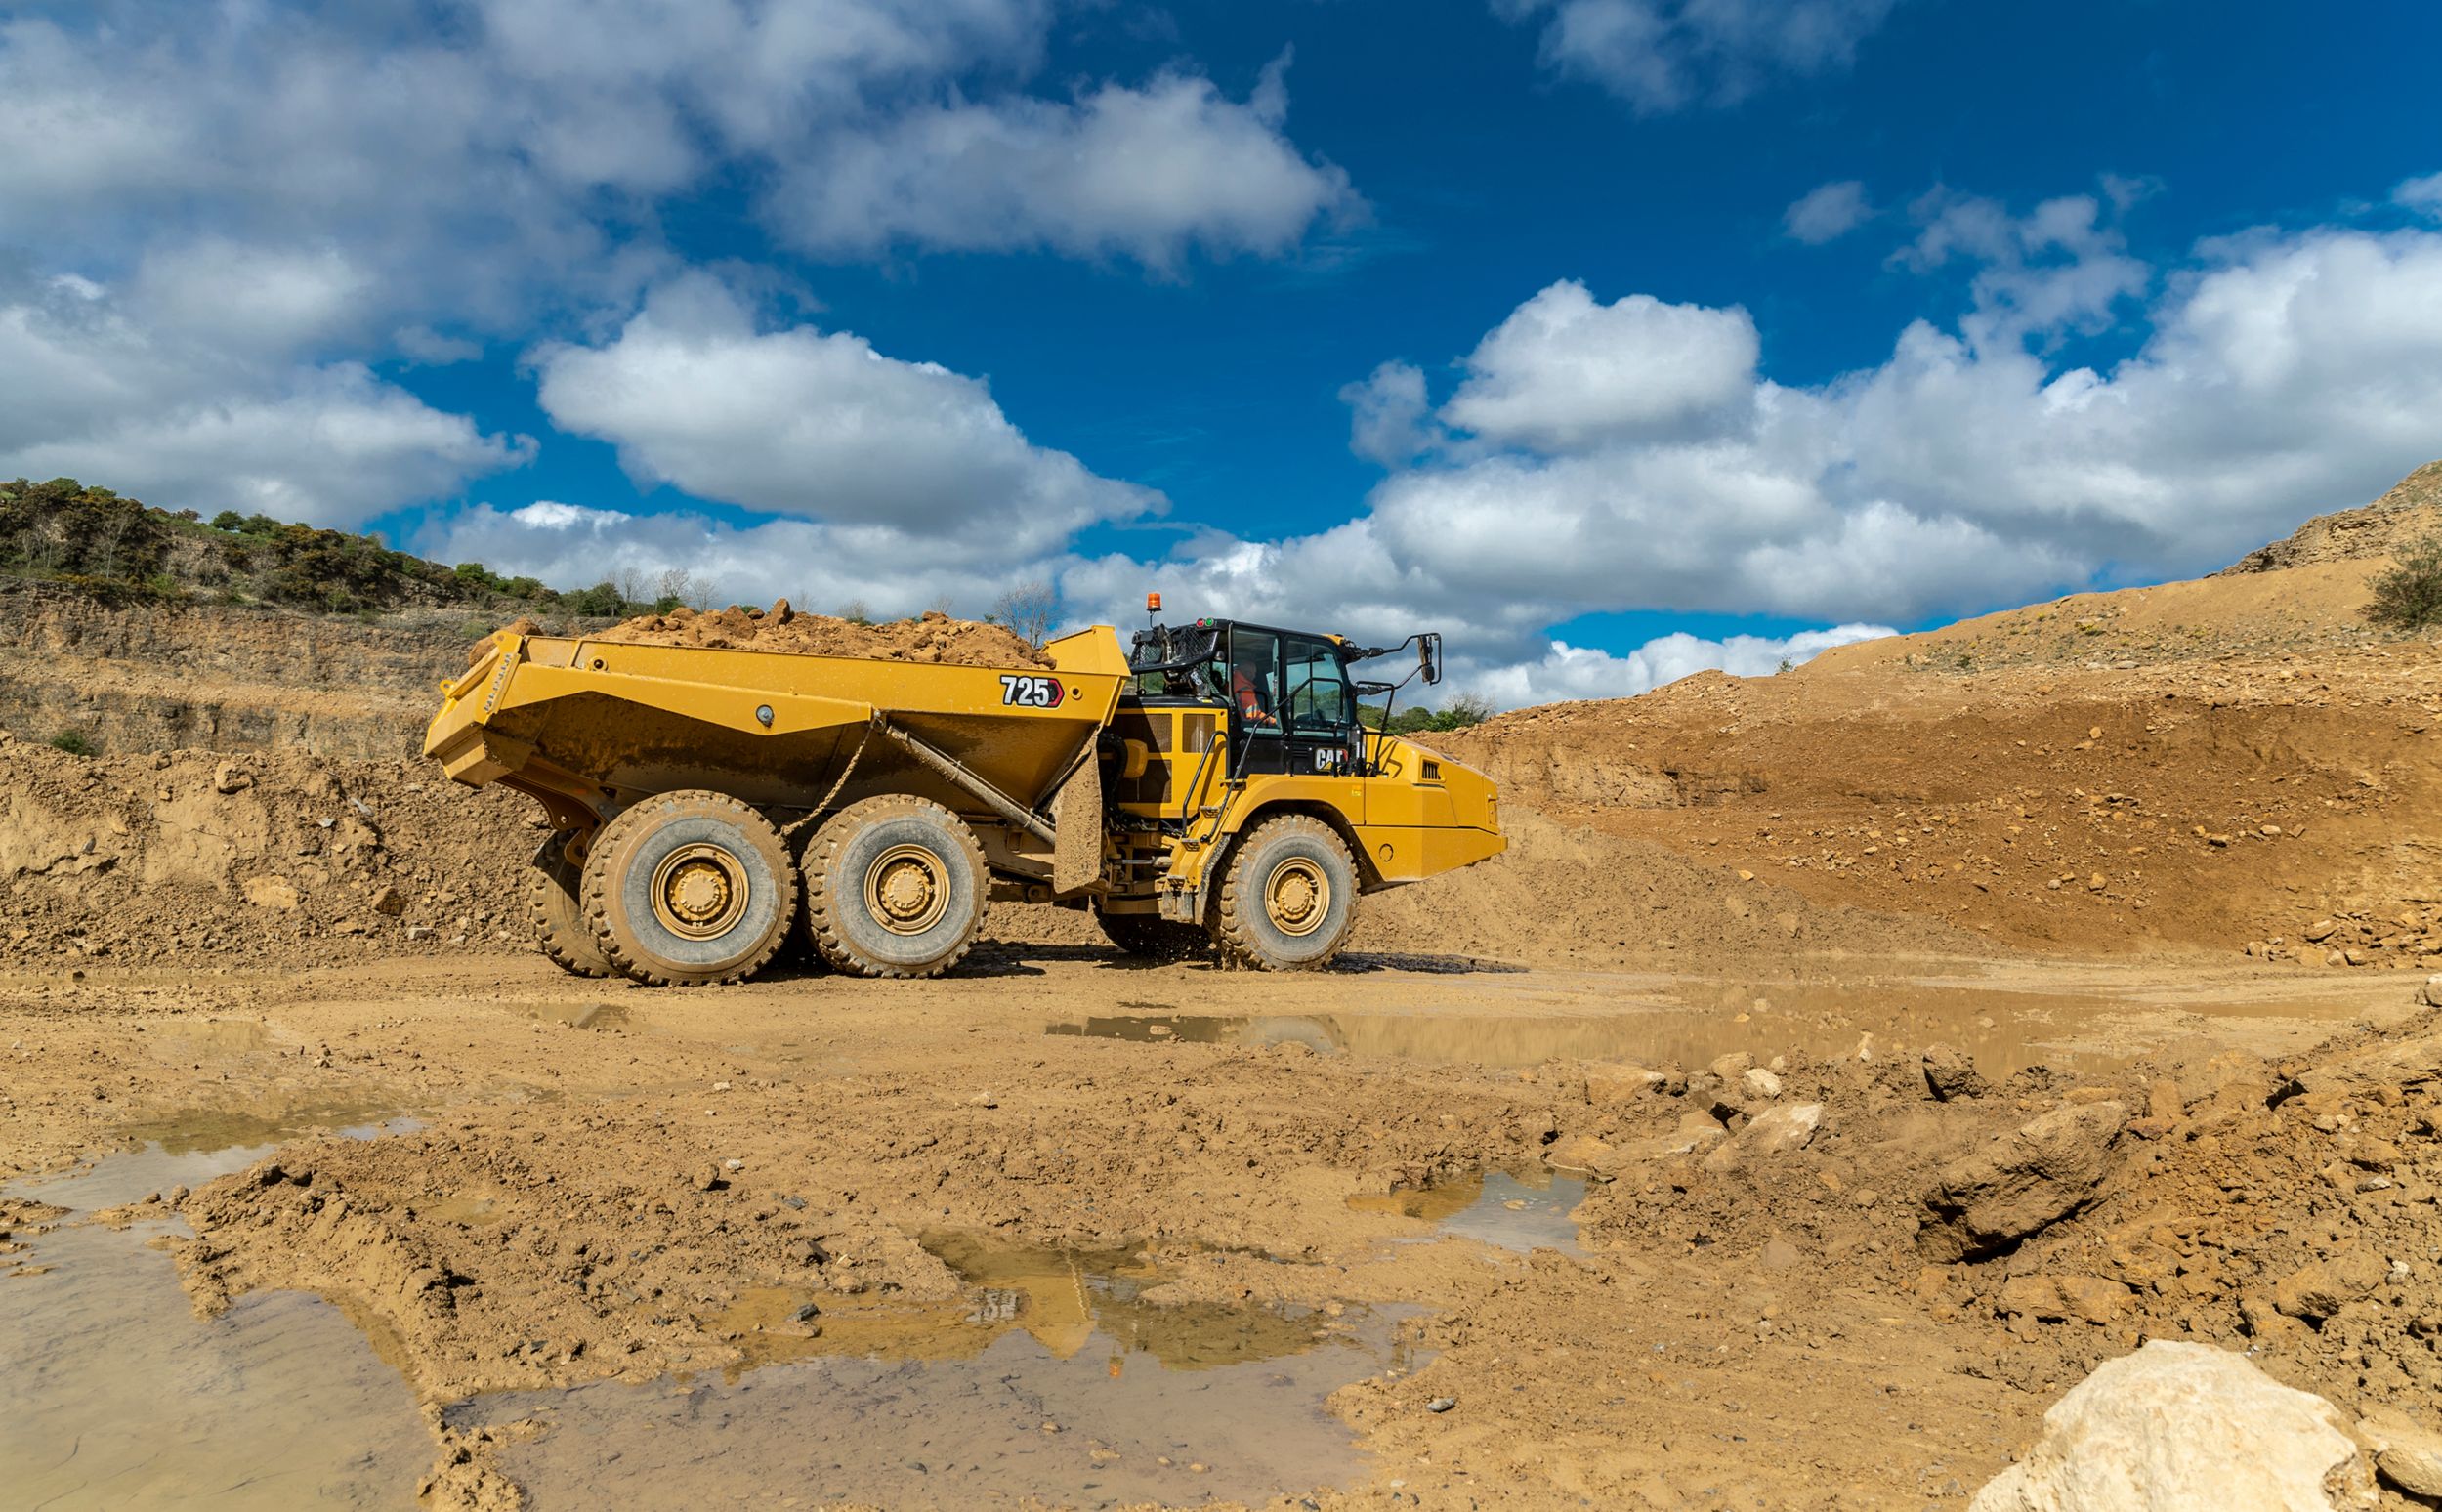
(263, 855)
(2277, 803)
(221, 677)
(931, 637)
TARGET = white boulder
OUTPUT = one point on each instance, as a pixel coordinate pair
(2186, 1428)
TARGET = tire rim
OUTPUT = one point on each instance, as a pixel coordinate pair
(1297, 897)
(699, 892)
(906, 890)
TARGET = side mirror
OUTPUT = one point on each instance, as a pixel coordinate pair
(1429, 655)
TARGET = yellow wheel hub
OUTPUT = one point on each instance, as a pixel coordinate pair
(906, 890)
(1297, 897)
(699, 892)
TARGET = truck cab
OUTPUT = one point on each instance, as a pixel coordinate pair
(1233, 740)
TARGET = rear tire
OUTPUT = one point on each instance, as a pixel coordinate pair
(688, 888)
(1289, 898)
(1153, 938)
(556, 909)
(895, 887)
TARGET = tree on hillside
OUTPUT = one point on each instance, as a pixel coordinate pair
(1030, 609)
(2409, 597)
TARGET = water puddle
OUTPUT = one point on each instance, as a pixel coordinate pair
(215, 1134)
(1522, 1211)
(1050, 1376)
(115, 1395)
(2005, 1031)
(1055, 1386)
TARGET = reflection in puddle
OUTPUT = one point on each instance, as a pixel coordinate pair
(1059, 1298)
(113, 1394)
(1102, 1425)
(1050, 1377)
(2004, 1030)
(216, 1133)
(1526, 1211)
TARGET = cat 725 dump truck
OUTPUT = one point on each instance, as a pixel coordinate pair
(1215, 790)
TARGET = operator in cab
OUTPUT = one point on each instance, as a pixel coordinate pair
(1250, 691)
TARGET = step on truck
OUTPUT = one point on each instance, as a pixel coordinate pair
(1213, 791)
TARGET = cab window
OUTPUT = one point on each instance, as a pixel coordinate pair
(1320, 699)
(1250, 680)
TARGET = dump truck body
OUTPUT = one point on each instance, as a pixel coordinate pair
(1069, 782)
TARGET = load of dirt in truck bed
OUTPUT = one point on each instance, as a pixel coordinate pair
(930, 637)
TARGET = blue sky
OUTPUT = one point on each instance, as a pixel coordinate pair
(1612, 337)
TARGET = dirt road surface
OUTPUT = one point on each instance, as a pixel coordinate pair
(1421, 1232)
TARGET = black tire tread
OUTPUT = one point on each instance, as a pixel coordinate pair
(823, 902)
(1238, 946)
(561, 934)
(597, 901)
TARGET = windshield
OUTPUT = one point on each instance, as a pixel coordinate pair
(1320, 698)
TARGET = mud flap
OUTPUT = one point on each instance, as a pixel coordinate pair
(1077, 831)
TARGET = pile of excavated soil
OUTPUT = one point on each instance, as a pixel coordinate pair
(1576, 896)
(2280, 807)
(932, 637)
(146, 859)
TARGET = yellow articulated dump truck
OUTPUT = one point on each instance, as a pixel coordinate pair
(708, 806)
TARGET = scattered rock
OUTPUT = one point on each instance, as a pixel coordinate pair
(1760, 1084)
(272, 893)
(1950, 1075)
(2089, 1299)
(2318, 1288)
(2404, 1063)
(1605, 1085)
(231, 778)
(1440, 1403)
(1584, 1152)
(2026, 1179)
(2405, 1453)
(1777, 1130)
(390, 900)
(2185, 1426)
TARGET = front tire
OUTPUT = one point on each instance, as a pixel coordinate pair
(688, 888)
(1289, 898)
(895, 887)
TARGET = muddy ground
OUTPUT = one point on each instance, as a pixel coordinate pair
(1835, 1069)
(1170, 1236)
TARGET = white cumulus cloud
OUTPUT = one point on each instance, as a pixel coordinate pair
(1669, 55)
(86, 391)
(1826, 213)
(1143, 173)
(1563, 371)
(817, 424)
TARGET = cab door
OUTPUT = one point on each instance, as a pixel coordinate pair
(1319, 731)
